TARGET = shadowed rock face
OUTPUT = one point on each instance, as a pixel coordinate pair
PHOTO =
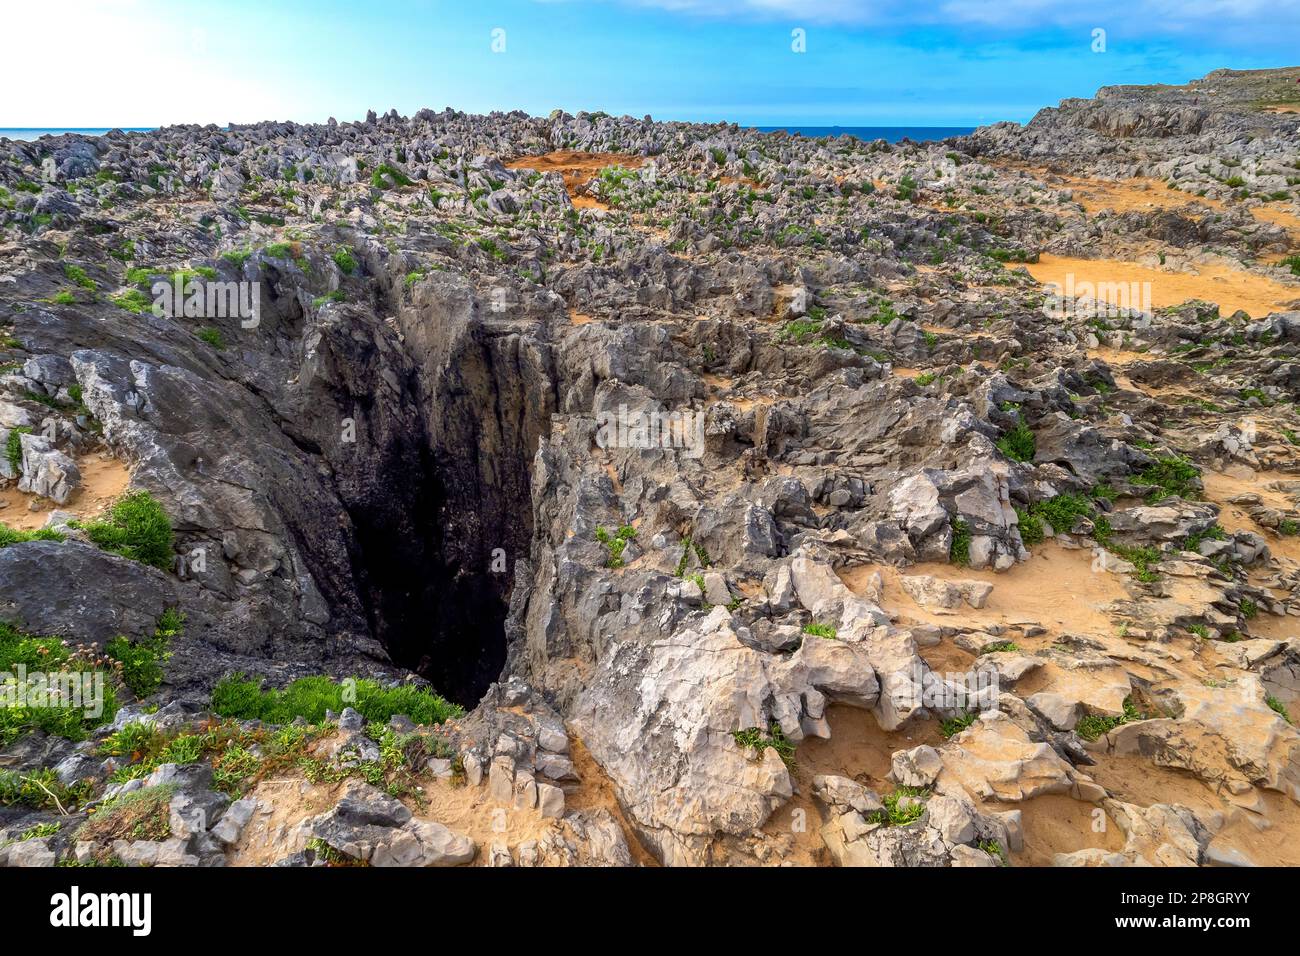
(401, 466)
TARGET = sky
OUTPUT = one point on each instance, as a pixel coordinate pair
(135, 63)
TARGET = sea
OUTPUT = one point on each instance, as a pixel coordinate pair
(28, 133)
(891, 134)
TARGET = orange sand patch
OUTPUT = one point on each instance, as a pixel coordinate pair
(1220, 486)
(577, 168)
(1232, 289)
(103, 480)
(1056, 588)
(1134, 779)
(858, 749)
(578, 318)
(1056, 823)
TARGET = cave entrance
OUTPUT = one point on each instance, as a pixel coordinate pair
(439, 524)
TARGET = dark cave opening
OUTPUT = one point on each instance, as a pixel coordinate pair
(426, 573)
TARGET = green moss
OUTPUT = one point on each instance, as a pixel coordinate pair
(311, 697)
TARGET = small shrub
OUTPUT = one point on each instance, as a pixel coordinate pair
(820, 630)
(959, 550)
(1169, 477)
(1278, 707)
(615, 544)
(346, 261)
(1092, 726)
(1018, 444)
(955, 725)
(136, 528)
(895, 813)
(755, 739)
(212, 336)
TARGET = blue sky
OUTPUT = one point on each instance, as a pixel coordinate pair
(867, 62)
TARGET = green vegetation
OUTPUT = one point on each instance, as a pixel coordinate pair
(1061, 512)
(346, 261)
(1169, 477)
(955, 725)
(10, 535)
(959, 550)
(755, 739)
(1092, 726)
(615, 543)
(46, 706)
(14, 447)
(925, 378)
(899, 814)
(820, 630)
(212, 336)
(906, 190)
(136, 528)
(1018, 444)
(388, 177)
(140, 663)
(310, 697)
(237, 257)
(41, 790)
(1193, 541)
(1278, 707)
(994, 849)
(78, 275)
(1000, 647)
(133, 300)
(139, 815)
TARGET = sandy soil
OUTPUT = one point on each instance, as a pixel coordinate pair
(1057, 823)
(1269, 840)
(857, 749)
(578, 169)
(1056, 587)
(104, 479)
(1231, 289)
(1220, 486)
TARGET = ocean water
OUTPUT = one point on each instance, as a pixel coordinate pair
(28, 133)
(891, 134)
